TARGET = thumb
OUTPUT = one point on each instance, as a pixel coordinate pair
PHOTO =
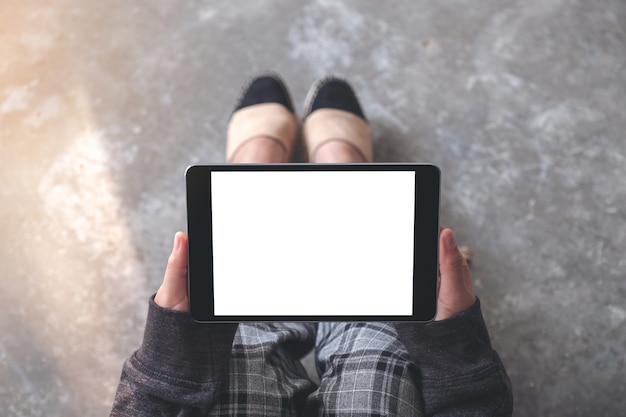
(456, 292)
(173, 291)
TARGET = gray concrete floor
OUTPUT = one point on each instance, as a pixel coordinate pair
(104, 104)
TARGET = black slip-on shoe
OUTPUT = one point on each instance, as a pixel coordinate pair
(264, 109)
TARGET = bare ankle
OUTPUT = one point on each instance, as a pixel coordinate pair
(337, 152)
(260, 150)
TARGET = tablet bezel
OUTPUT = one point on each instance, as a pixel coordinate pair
(426, 235)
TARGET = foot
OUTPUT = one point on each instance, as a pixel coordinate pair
(335, 129)
(264, 126)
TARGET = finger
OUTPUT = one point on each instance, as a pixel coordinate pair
(456, 292)
(173, 291)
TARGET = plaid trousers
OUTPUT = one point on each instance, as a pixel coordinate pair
(364, 371)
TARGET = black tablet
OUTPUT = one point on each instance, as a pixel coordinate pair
(313, 242)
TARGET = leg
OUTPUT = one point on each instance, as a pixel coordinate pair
(266, 377)
(365, 370)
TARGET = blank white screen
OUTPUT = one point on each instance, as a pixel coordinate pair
(313, 242)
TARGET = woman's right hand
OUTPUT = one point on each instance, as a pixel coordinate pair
(173, 293)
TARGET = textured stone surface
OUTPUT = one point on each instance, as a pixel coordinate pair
(104, 104)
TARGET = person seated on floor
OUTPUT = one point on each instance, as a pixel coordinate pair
(446, 367)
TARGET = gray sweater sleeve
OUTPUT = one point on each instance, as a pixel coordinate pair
(460, 373)
(180, 368)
